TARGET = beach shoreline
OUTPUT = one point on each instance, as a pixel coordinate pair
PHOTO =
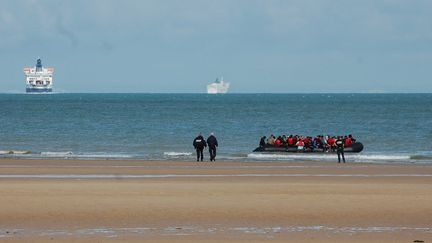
(177, 201)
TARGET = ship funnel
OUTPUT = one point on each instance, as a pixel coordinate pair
(39, 65)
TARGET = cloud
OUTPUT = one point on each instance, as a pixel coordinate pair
(265, 39)
(65, 32)
(287, 19)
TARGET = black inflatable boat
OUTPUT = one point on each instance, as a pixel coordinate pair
(354, 148)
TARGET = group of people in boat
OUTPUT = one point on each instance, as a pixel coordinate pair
(325, 143)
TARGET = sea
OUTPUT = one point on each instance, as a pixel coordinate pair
(394, 128)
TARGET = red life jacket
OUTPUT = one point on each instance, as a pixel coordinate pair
(278, 142)
(348, 142)
(291, 141)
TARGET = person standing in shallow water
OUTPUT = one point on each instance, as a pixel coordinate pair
(199, 144)
(262, 143)
(340, 146)
(212, 144)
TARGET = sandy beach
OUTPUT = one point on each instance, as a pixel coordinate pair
(171, 201)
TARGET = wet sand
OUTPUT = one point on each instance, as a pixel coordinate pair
(136, 201)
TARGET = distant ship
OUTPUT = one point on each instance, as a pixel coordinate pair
(218, 87)
(38, 78)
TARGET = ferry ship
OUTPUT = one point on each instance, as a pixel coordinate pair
(218, 87)
(38, 78)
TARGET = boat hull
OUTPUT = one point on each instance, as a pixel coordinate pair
(354, 148)
(38, 90)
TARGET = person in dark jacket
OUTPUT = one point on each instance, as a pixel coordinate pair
(262, 143)
(199, 144)
(340, 146)
(212, 144)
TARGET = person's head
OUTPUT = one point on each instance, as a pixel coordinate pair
(211, 134)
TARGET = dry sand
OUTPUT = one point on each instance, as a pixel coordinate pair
(102, 201)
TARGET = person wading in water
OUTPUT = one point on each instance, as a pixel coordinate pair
(340, 149)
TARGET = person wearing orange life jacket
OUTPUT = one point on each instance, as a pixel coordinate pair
(278, 142)
(348, 141)
(290, 140)
(331, 142)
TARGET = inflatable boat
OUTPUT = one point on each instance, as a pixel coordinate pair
(354, 148)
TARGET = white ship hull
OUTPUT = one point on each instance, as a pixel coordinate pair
(218, 88)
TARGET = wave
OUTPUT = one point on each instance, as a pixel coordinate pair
(177, 154)
(421, 157)
(210, 230)
(103, 156)
(147, 176)
(384, 157)
(56, 154)
(5, 152)
(65, 154)
(190, 155)
(84, 155)
(332, 157)
(379, 157)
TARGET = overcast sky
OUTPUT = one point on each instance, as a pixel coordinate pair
(257, 45)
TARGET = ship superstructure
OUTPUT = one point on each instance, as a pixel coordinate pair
(218, 87)
(38, 78)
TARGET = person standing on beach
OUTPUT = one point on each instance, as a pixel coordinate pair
(199, 144)
(340, 146)
(212, 144)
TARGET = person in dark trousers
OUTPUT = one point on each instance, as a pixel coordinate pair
(262, 143)
(340, 146)
(199, 144)
(212, 144)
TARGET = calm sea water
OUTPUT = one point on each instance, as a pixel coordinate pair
(392, 127)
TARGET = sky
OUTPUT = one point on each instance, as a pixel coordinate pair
(259, 46)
